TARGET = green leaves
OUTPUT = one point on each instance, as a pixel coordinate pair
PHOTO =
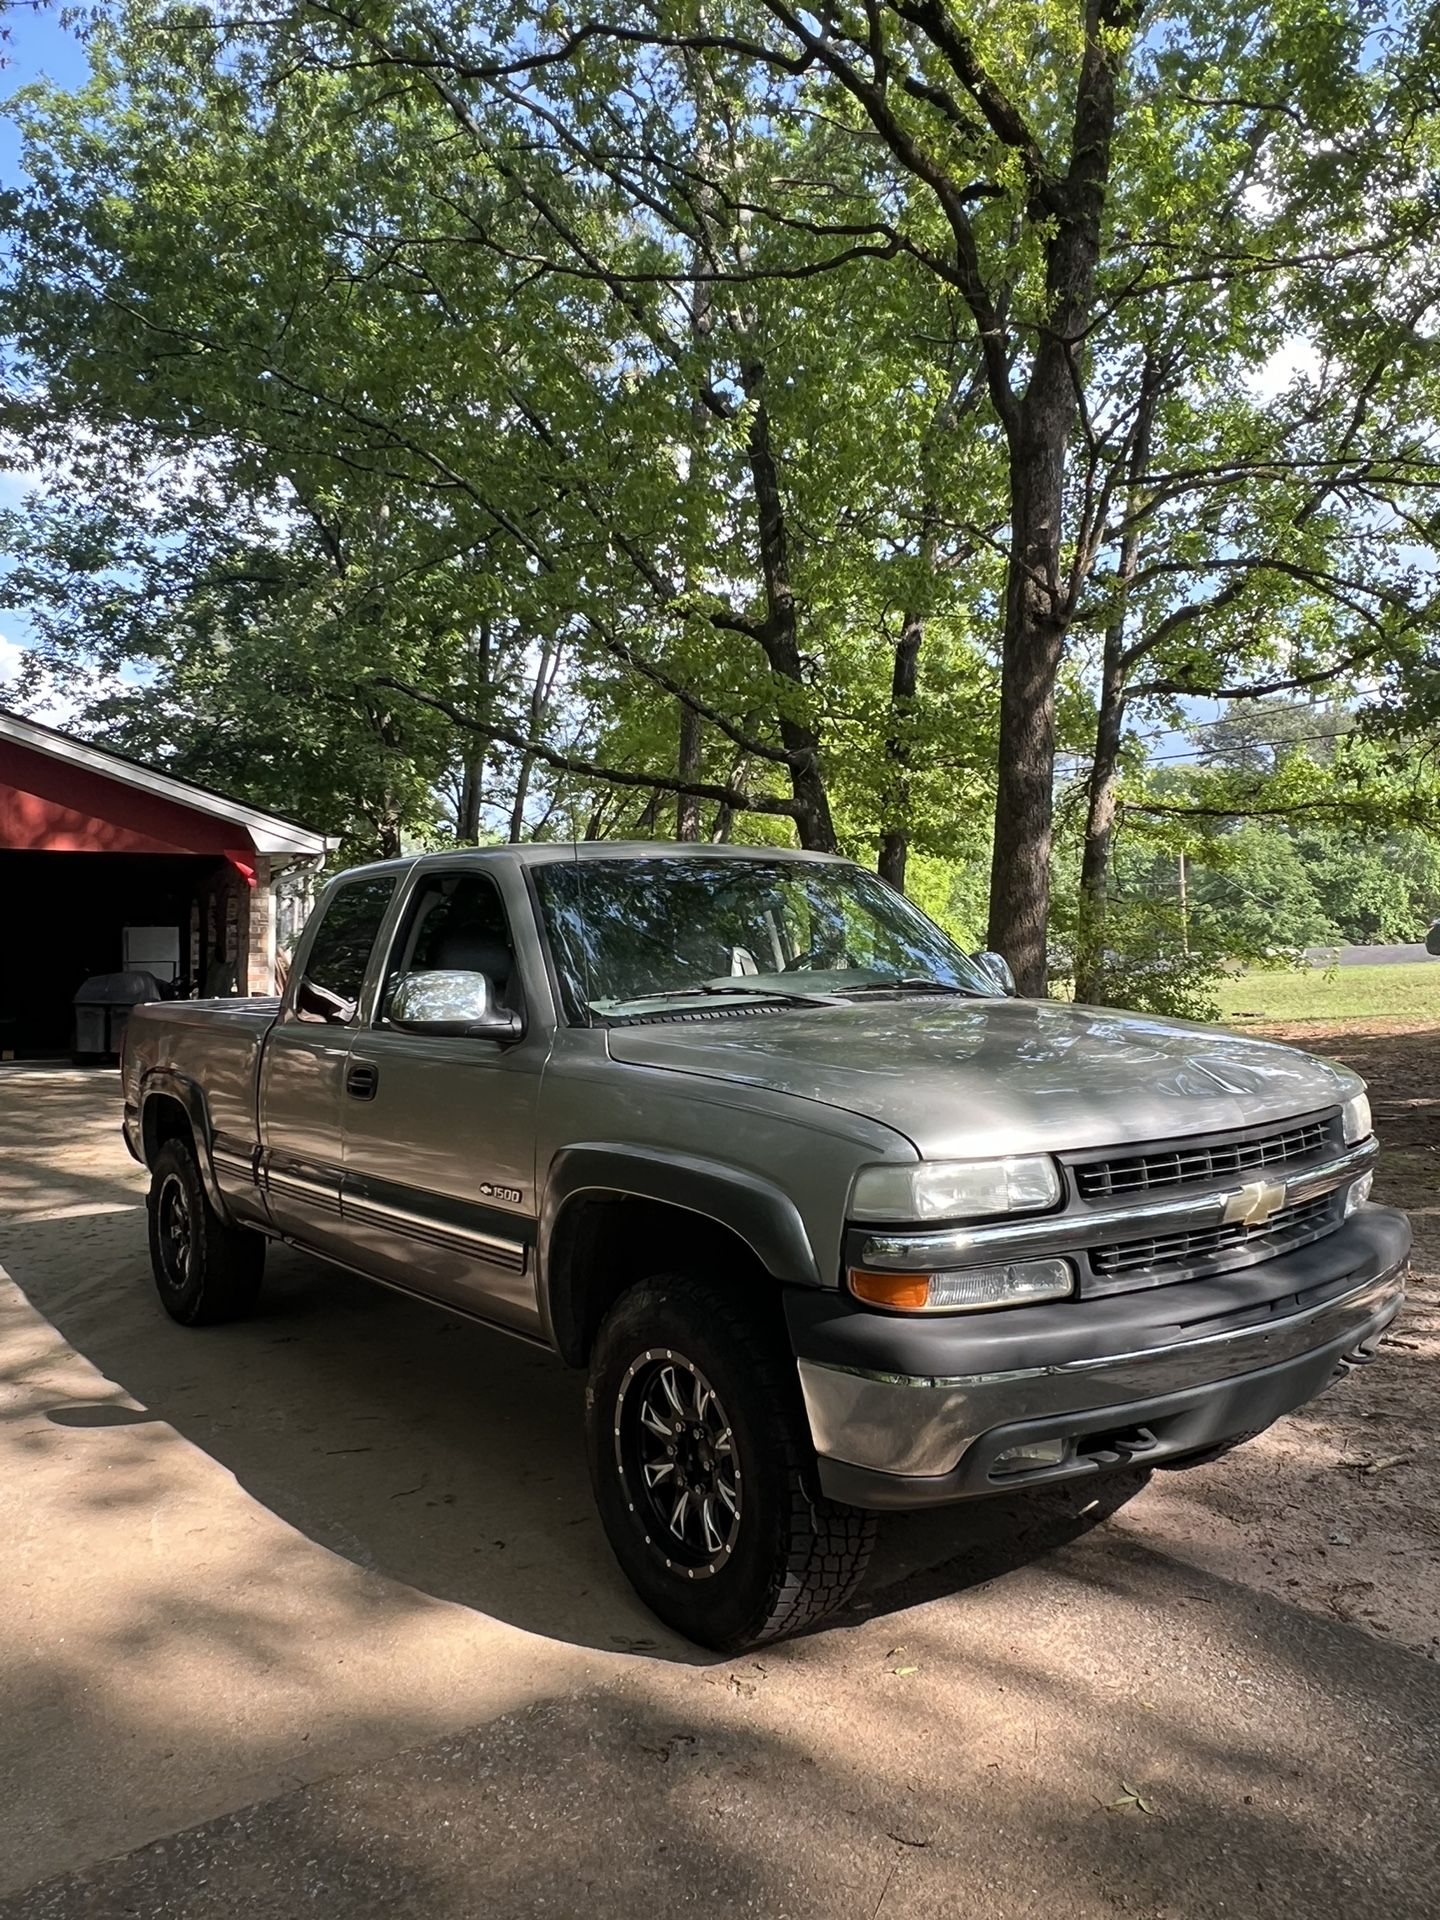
(573, 384)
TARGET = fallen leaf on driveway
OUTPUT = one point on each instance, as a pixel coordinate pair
(1130, 1797)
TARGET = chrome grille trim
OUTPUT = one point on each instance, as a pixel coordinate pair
(936, 1251)
(1203, 1161)
(1158, 1258)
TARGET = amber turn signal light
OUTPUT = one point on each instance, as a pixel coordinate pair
(906, 1292)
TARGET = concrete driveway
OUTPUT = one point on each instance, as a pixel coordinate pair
(313, 1615)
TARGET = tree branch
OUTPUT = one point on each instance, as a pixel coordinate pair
(725, 796)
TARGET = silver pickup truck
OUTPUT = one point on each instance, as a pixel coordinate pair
(834, 1222)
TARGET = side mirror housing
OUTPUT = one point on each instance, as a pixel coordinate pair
(996, 968)
(452, 1002)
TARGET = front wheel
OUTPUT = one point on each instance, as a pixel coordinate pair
(205, 1269)
(702, 1468)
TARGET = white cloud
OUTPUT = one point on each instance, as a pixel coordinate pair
(53, 710)
(1295, 358)
(9, 660)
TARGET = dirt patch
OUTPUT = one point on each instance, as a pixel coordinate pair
(1335, 1507)
(1401, 1064)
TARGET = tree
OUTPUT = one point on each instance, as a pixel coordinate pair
(769, 370)
(580, 476)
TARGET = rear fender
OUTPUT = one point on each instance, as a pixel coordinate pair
(164, 1084)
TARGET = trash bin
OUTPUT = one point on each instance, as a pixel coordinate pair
(102, 1010)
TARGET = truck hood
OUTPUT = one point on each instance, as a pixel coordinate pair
(983, 1077)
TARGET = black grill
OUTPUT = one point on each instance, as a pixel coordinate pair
(1209, 1247)
(1206, 1161)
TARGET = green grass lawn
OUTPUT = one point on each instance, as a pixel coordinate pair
(1409, 992)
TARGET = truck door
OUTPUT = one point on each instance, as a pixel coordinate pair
(303, 1068)
(439, 1188)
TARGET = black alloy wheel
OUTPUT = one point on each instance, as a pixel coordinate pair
(206, 1267)
(703, 1467)
(675, 1449)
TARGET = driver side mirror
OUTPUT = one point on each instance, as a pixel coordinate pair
(452, 1002)
(996, 969)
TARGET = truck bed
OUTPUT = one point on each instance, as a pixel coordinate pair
(214, 1043)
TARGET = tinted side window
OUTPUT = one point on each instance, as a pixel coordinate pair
(457, 920)
(341, 952)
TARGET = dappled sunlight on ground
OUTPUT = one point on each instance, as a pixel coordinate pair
(342, 1561)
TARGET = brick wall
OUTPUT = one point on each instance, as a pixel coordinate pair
(257, 932)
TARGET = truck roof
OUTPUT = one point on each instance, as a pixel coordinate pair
(553, 852)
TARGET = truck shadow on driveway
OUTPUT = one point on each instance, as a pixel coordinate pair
(423, 1448)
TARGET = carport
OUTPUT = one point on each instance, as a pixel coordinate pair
(107, 864)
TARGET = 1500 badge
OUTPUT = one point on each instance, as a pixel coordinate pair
(513, 1194)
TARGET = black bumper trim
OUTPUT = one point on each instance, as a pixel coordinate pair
(1140, 1433)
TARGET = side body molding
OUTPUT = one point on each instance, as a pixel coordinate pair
(760, 1213)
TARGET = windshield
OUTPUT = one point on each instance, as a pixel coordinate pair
(628, 933)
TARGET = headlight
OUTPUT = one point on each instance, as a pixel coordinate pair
(967, 1289)
(955, 1189)
(1356, 1119)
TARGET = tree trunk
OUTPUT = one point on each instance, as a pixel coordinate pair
(1094, 903)
(472, 789)
(522, 795)
(539, 700)
(1037, 609)
(687, 767)
(472, 792)
(1034, 643)
(1100, 823)
(895, 830)
(779, 635)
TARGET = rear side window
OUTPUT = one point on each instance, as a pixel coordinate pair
(335, 970)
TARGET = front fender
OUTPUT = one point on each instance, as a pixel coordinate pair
(760, 1213)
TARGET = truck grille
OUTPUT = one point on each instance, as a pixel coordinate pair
(1210, 1160)
(1212, 1248)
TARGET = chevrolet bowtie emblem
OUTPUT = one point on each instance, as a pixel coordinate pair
(1252, 1206)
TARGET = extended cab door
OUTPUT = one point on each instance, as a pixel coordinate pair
(439, 1189)
(306, 1058)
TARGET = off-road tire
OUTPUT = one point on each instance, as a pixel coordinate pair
(220, 1273)
(796, 1556)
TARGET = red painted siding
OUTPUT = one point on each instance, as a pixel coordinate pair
(51, 806)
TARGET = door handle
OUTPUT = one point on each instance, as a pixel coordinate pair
(362, 1079)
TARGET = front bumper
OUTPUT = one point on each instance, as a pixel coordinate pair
(910, 1413)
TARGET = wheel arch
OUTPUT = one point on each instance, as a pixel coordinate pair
(172, 1107)
(612, 1213)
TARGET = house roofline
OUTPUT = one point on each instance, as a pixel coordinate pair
(268, 832)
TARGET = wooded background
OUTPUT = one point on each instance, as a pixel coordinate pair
(1000, 442)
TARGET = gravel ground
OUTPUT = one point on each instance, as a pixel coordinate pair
(313, 1615)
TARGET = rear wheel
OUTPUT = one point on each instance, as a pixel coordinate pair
(703, 1471)
(206, 1270)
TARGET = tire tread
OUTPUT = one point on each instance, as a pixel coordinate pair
(230, 1259)
(827, 1545)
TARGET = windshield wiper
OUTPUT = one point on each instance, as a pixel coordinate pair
(708, 988)
(910, 983)
(773, 993)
